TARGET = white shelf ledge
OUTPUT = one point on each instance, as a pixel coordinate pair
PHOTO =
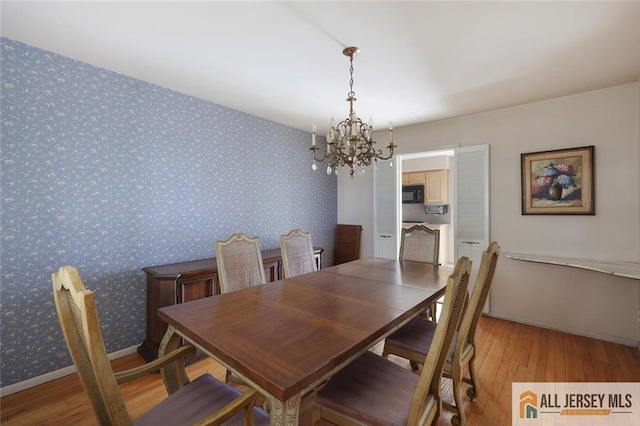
(612, 267)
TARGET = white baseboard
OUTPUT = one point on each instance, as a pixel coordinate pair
(605, 337)
(39, 380)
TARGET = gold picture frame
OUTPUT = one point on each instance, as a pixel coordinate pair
(560, 181)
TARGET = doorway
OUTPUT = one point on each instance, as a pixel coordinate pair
(432, 167)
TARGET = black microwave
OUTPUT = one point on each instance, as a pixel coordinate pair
(413, 194)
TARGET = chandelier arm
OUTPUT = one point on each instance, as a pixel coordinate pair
(379, 155)
(315, 156)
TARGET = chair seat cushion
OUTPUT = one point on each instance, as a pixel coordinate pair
(416, 336)
(198, 399)
(372, 390)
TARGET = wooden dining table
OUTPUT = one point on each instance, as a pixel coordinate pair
(287, 337)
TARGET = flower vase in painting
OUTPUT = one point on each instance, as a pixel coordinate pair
(556, 182)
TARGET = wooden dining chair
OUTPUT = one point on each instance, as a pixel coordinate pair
(375, 391)
(421, 244)
(204, 400)
(239, 263)
(414, 340)
(297, 253)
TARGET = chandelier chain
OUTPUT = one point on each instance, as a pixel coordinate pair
(352, 94)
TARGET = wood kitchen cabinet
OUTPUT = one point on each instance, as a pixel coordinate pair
(436, 184)
(186, 281)
(413, 178)
(436, 187)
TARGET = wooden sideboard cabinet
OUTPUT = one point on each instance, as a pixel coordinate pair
(182, 282)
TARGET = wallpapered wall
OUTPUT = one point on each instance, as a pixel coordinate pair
(112, 174)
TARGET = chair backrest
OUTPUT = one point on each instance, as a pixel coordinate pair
(473, 309)
(431, 374)
(420, 243)
(297, 253)
(239, 263)
(347, 243)
(78, 317)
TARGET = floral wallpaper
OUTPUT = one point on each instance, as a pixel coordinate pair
(111, 174)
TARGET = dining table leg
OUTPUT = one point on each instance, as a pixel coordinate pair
(285, 413)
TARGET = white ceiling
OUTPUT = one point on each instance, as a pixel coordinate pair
(419, 61)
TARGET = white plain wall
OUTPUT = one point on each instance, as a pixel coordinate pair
(355, 206)
(427, 163)
(583, 302)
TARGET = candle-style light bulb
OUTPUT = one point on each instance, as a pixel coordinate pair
(390, 133)
(354, 123)
(332, 124)
(314, 129)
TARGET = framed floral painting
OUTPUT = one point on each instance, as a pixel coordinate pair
(558, 182)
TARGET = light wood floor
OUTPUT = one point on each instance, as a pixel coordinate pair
(508, 352)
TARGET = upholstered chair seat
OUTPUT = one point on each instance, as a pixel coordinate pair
(372, 390)
(203, 397)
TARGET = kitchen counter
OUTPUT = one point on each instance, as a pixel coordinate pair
(407, 225)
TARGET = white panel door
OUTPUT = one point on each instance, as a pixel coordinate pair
(471, 206)
(385, 210)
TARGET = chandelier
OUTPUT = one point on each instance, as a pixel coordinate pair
(350, 142)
